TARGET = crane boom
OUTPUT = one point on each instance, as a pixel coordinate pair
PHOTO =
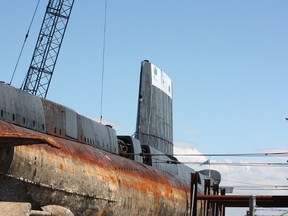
(47, 48)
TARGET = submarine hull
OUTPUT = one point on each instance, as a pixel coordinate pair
(43, 169)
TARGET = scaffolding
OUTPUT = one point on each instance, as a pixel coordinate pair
(214, 204)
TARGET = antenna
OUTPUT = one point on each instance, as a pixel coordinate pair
(103, 61)
(23, 45)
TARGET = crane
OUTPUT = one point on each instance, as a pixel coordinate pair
(47, 48)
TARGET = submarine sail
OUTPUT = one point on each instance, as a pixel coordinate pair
(154, 125)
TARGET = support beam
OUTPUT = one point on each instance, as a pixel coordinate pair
(206, 192)
(252, 205)
(193, 194)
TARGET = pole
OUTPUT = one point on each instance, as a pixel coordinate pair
(206, 192)
(192, 199)
(252, 205)
(193, 194)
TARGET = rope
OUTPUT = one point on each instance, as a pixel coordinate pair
(25, 39)
(103, 60)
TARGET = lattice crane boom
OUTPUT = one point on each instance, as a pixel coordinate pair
(47, 48)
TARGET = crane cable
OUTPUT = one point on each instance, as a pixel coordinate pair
(25, 39)
(103, 60)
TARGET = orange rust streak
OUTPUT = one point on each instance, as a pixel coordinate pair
(128, 173)
(122, 175)
(88, 154)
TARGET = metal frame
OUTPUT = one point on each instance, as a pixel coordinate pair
(47, 48)
(214, 205)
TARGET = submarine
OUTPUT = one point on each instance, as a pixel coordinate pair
(52, 155)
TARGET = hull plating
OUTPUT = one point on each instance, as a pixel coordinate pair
(88, 181)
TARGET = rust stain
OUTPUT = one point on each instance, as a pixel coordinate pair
(14, 139)
(86, 171)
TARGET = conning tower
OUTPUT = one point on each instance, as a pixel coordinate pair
(154, 125)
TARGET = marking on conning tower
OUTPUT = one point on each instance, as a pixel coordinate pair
(161, 80)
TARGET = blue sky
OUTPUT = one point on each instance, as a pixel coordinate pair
(227, 61)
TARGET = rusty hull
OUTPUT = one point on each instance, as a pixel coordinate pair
(45, 170)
